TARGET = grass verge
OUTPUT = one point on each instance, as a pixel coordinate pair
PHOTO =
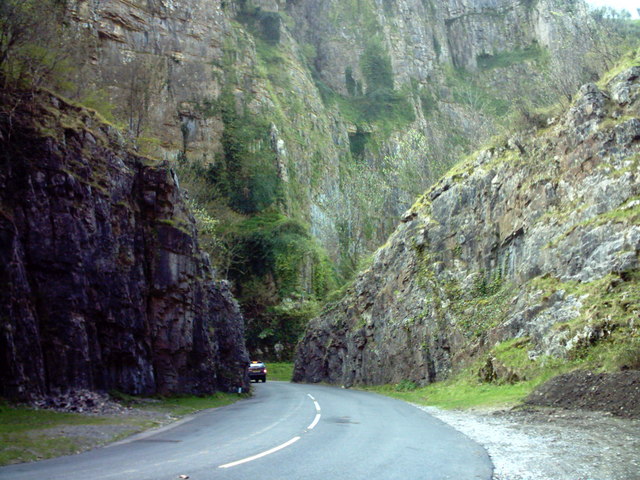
(186, 405)
(461, 393)
(282, 371)
(28, 434)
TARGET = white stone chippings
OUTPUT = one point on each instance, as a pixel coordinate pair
(551, 446)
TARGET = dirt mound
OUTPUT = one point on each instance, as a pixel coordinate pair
(617, 393)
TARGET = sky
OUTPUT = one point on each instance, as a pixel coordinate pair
(629, 5)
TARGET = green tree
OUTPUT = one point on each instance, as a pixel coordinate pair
(32, 52)
(376, 67)
(349, 81)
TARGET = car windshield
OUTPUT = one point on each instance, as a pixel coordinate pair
(256, 365)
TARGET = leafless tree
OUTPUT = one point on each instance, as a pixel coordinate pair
(143, 80)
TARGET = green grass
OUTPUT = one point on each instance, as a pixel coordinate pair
(462, 393)
(631, 59)
(282, 371)
(20, 419)
(610, 306)
(513, 57)
(186, 405)
(24, 434)
(28, 434)
(466, 390)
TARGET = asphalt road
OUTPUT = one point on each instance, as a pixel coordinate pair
(285, 432)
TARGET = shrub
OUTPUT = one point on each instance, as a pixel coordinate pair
(282, 274)
(406, 386)
(376, 67)
(266, 25)
(350, 81)
(247, 175)
(32, 52)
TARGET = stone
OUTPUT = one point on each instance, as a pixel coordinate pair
(104, 286)
(186, 51)
(565, 210)
(623, 89)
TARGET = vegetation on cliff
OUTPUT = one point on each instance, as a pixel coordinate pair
(519, 265)
(375, 105)
(302, 131)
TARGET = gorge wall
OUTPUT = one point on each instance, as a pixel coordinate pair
(524, 256)
(172, 68)
(281, 117)
(104, 285)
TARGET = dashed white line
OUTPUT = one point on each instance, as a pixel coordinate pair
(315, 422)
(279, 447)
(260, 455)
(317, 418)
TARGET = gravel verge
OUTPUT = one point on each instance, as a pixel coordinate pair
(552, 444)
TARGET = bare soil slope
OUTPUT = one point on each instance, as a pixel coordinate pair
(616, 393)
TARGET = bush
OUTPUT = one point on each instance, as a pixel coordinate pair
(247, 175)
(281, 274)
(376, 67)
(405, 386)
(32, 50)
(349, 81)
(265, 25)
(274, 245)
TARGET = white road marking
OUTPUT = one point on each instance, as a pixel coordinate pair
(260, 455)
(315, 422)
(279, 447)
(317, 418)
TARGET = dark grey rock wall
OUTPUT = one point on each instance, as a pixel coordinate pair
(103, 285)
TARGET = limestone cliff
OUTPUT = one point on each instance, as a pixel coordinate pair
(103, 282)
(525, 255)
(301, 66)
(292, 112)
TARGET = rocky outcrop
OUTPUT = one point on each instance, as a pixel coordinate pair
(421, 36)
(154, 61)
(103, 283)
(515, 247)
(273, 99)
(164, 65)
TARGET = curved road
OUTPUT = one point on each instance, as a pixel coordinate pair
(285, 431)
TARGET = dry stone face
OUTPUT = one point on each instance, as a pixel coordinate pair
(186, 52)
(103, 283)
(558, 205)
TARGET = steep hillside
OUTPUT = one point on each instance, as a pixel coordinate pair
(321, 87)
(104, 285)
(524, 257)
(282, 116)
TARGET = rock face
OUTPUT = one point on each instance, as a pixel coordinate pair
(423, 35)
(165, 65)
(519, 247)
(103, 283)
(154, 58)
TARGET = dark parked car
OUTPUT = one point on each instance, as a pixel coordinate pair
(258, 371)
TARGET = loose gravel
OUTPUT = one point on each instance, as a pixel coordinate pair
(552, 444)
